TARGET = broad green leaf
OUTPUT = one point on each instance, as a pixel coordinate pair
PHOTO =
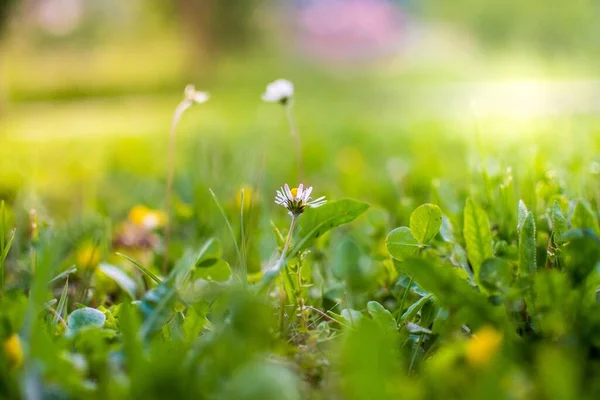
(527, 264)
(156, 307)
(129, 324)
(521, 215)
(316, 221)
(175, 327)
(496, 274)
(219, 271)
(478, 235)
(381, 315)
(401, 243)
(414, 308)
(349, 265)
(123, 280)
(262, 380)
(447, 230)
(454, 293)
(351, 316)
(558, 221)
(425, 222)
(345, 258)
(210, 253)
(581, 254)
(84, 318)
(584, 217)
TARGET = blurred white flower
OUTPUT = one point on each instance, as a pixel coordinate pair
(194, 96)
(297, 199)
(279, 91)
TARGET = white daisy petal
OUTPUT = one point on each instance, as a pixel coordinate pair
(300, 191)
(307, 193)
(288, 192)
(194, 96)
(201, 97)
(278, 91)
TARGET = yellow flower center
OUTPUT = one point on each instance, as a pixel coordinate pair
(294, 192)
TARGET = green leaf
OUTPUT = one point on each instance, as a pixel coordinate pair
(219, 271)
(527, 250)
(121, 278)
(581, 254)
(381, 316)
(210, 253)
(521, 215)
(478, 235)
(496, 274)
(351, 266)
(558, 221)
(454, 293)
(584, 218)
(401, 244)
(414, 308)
(85, 318)
(351, 316)
(425, 222)
(156, 306)
(316, 221)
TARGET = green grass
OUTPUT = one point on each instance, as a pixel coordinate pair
(473, 296)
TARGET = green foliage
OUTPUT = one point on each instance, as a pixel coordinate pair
(401, 243)
(496, 274)
(558, 221)
(381, 316)
(315, 222)
(454, 292)
(425, 222)
(584, 217)
(478, 235)
(368, 310)
(85, 318)
(527, 250)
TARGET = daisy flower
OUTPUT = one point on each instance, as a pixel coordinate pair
(192, 95)
(279, 91)
(296, 200)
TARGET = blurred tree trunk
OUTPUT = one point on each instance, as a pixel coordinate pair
(6, 7)
(220, 26)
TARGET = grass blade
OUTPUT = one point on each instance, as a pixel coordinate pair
(66, 273)
(62, 303)
(141, 268)
(220, 207)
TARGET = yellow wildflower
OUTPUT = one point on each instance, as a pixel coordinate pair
(248, 197)
(483, 346)
(88, 256)
(146, 217)
(13, 351)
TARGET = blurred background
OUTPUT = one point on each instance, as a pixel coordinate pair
(88, 87)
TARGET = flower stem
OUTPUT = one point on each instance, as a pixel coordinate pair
(184, 105)
(296, 138)
(274, 271)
